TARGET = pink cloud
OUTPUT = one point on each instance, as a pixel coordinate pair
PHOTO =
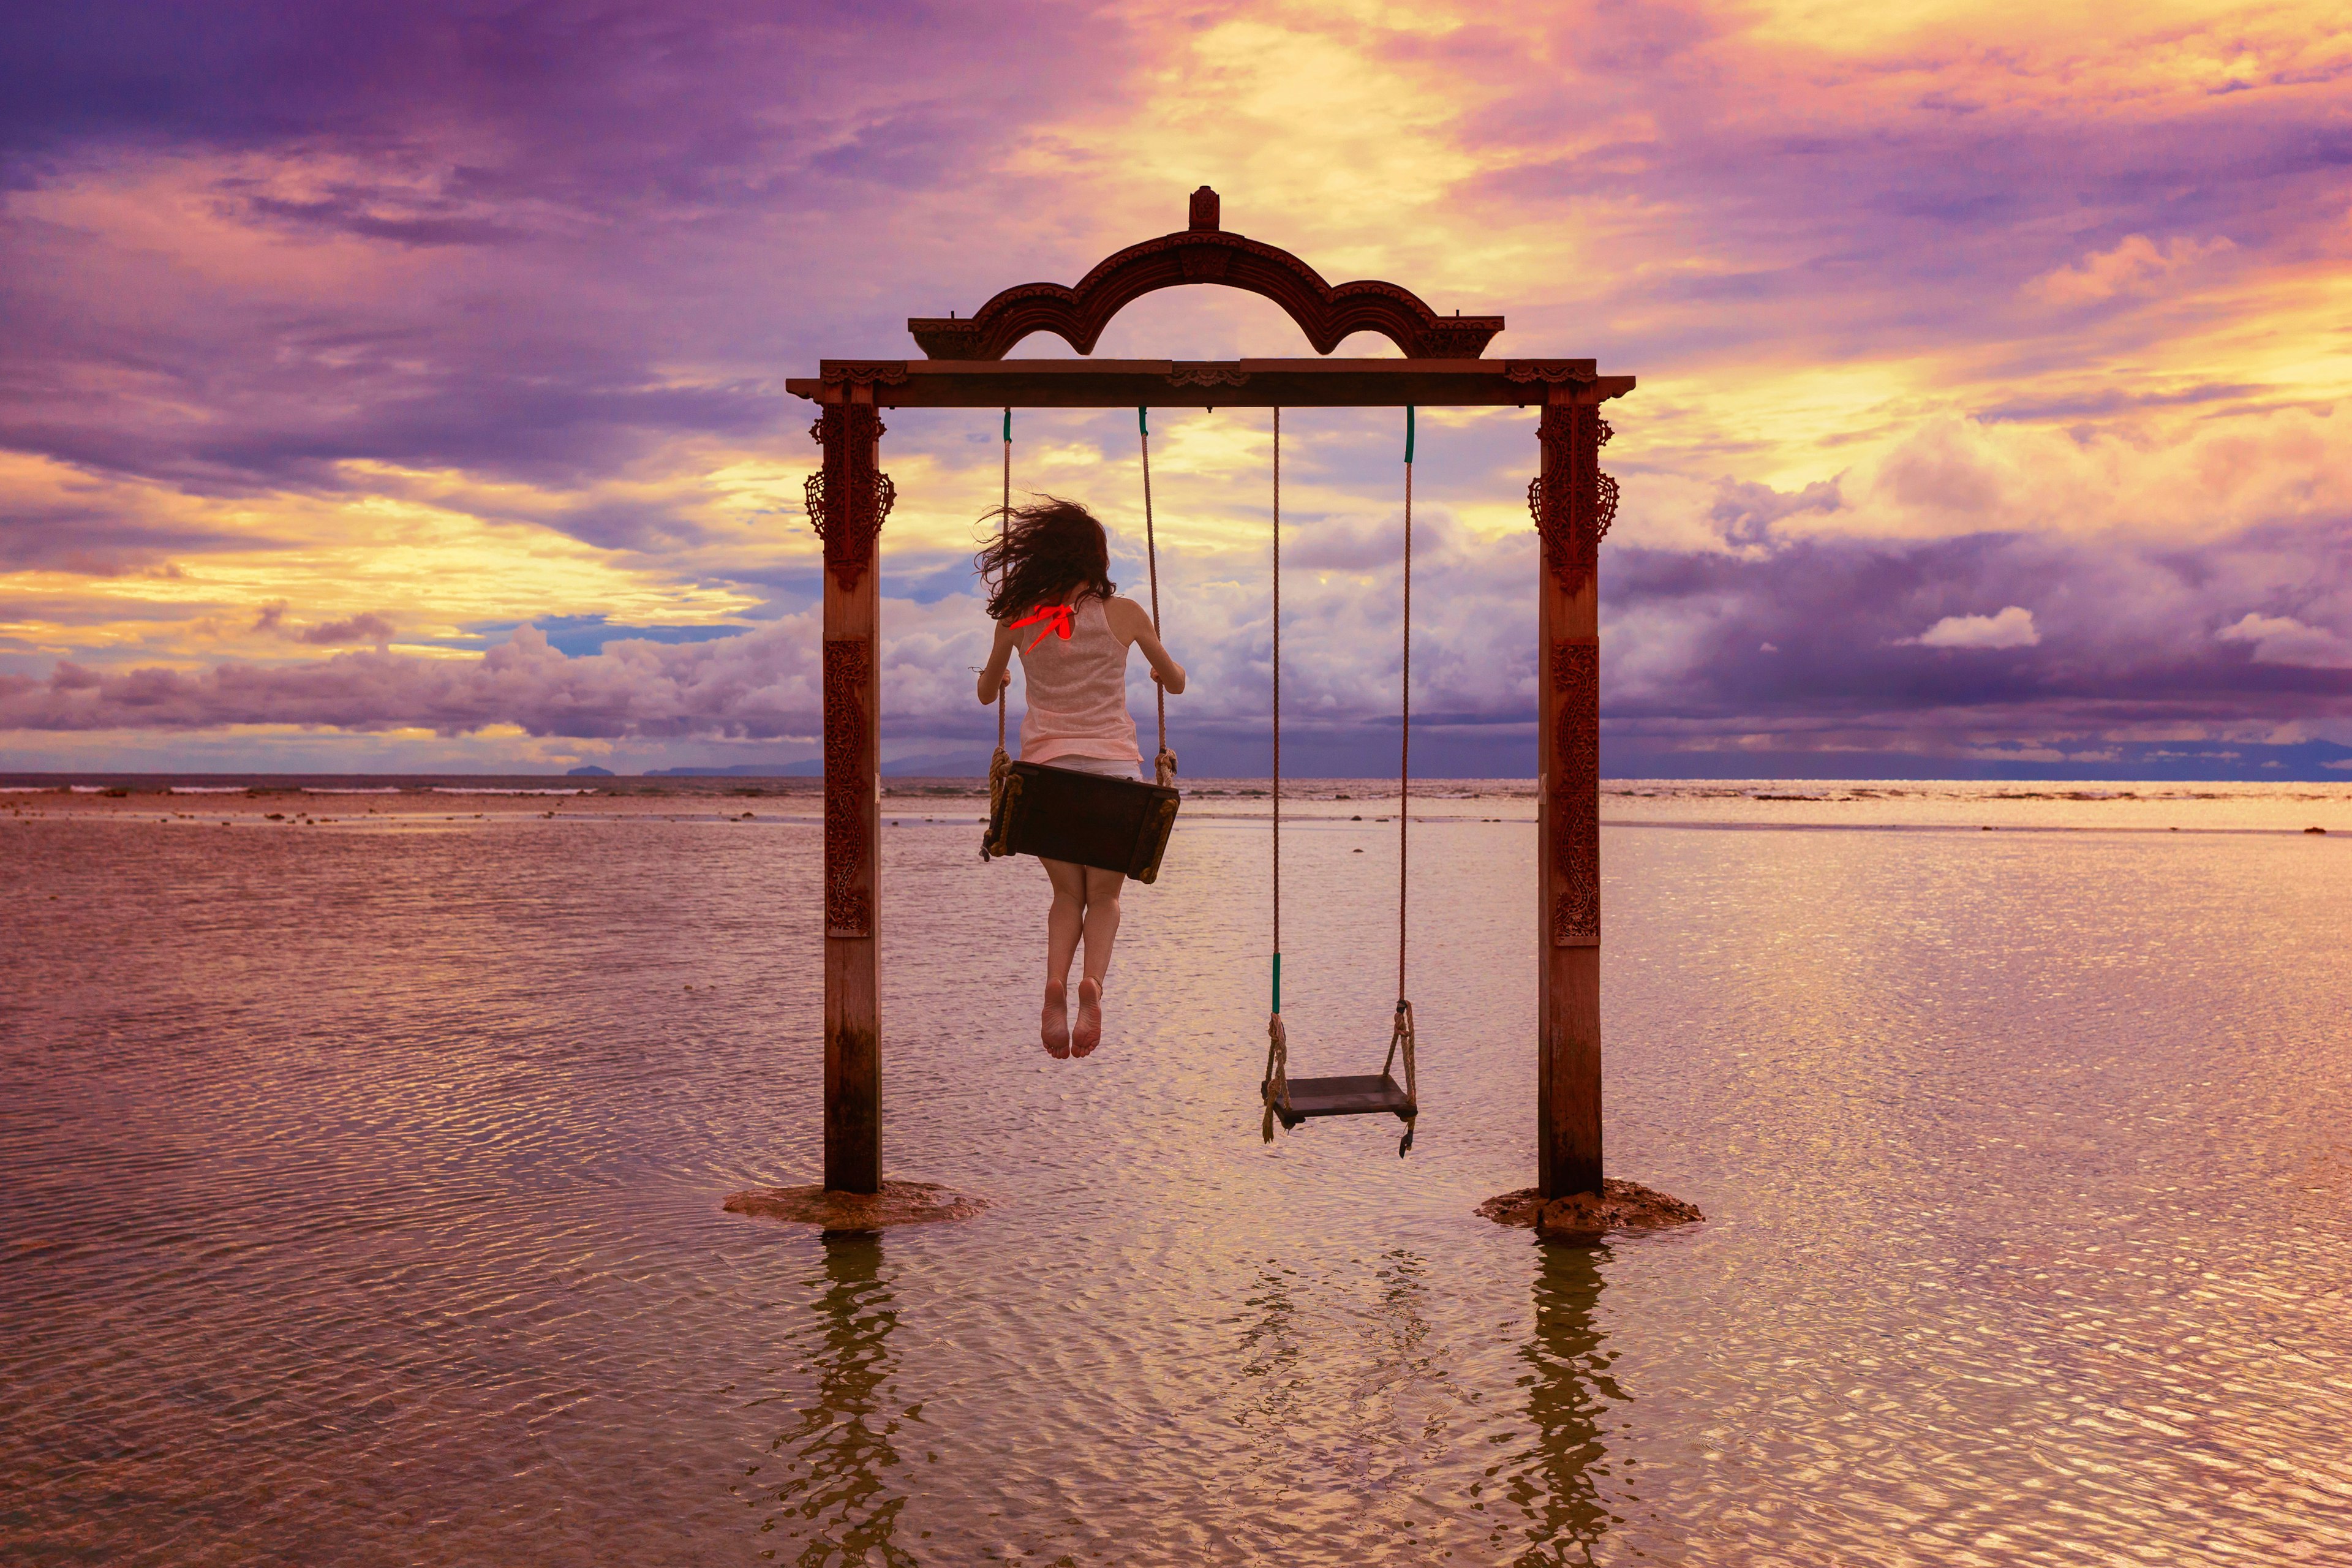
(2013, 628)
(2283, 639)
(2134, 265)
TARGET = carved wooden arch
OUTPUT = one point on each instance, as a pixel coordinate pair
(1204, 253)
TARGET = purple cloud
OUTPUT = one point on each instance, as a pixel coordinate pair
(755, 686)
(593, 197)
(364, 627)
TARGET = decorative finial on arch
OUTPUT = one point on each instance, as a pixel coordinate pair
(1206, 208)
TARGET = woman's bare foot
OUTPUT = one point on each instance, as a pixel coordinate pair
(1053, 1028)
(1087, 1034)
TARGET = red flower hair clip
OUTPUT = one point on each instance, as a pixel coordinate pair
(1054, 619)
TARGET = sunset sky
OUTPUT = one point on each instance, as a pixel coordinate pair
(400, 387)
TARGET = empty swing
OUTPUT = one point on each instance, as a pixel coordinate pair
(1088, 819)
(1292, 1101)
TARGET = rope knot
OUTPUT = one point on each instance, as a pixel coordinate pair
(1275, 1090)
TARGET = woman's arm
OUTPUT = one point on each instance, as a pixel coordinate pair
(996, 676)
(1133, 624)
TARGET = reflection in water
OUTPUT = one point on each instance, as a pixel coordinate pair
(1345, 1394)
(1402, 1311)
(1412, 1378)
(837, 1495)
(1555, 1485)
(1270, 1356)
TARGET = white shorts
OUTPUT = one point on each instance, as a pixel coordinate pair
(1107, 767)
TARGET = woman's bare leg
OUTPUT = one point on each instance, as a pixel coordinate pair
(1064, 921)
(1102, 927)
(1102, 889)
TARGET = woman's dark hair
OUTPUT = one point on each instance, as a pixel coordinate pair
(1045, 548)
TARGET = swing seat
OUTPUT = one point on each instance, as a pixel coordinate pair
(1291, 1101)
(1363, 1094)
(1060, 814)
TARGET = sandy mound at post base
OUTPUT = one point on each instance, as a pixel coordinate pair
(898, 1202)
(1588, 1217)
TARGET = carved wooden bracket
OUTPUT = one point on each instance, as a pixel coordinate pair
(1573, 502)
(848, 668)
(1205, 253)
(1574, 780)
(849, 497)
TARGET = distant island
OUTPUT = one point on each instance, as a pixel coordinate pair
(974, 765)
(591, 772)
(809, 767)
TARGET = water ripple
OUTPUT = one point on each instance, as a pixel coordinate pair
(358, 1202)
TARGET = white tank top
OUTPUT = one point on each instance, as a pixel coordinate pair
(1074, 691)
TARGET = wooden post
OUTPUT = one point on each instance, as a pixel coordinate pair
(1568, 503)
(848, 503)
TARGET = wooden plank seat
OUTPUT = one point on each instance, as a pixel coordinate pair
(1087, 819)
(1359, 1094)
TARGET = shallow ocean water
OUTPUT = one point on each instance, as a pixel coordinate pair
(359, 1186)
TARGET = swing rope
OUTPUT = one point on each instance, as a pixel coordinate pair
(1405, 730)
(1276, 1088)
(1163, 765)
(1005, 531)
(1000, 766)
(1400, 1032)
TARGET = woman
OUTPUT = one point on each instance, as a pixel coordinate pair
(1050, 594)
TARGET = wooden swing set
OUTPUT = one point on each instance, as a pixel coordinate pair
(1572, 502)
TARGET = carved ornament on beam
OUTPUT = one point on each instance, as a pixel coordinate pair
(1552, 372)
(856, 372)
(1207, 375)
